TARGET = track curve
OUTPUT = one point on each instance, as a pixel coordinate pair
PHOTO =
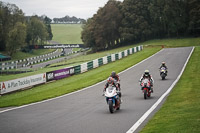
(86, 111)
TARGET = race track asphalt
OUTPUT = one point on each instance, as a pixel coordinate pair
(87, 112)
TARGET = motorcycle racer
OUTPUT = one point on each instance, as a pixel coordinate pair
(110, 81)
(148, 76)
(163, 65)
(116, 77)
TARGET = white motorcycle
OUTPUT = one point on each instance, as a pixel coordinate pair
(163, 72)
(112, 98)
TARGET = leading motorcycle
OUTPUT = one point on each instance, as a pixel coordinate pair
(112, 98)
(146, 85)
(163, 72)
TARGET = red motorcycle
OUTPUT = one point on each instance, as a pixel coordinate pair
(146, 85)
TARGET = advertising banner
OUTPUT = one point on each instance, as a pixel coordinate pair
(56, 46)
(59, 74)
(13, 85)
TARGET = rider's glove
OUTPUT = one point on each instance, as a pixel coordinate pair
(103, 93)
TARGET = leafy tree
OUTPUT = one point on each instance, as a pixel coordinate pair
(36, 31)
(135, 22)
(194, 16)
(102, 30)
(169, 18)
(174, 13)
(87, 34)
(10, 14)
(16, 38)
(47, 22)
(3, 26)
(156, 8)
(111, 21)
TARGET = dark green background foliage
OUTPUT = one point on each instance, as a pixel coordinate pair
(133, 21)
(17, 30)
(115, 24)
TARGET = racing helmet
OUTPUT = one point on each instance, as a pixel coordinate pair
(146, 73)
(113, 74)
(163, 63)
(110, 80)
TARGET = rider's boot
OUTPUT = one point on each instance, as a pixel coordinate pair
(120, 100)
(152, 89)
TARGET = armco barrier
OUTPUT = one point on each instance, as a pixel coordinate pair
(77, 69)
(109, 59)
(116, 56)
(90, 65)
(28, 61)
(113, 57)
(95, 63)
(104, 60)
(21, 83)
(128, 52)
(100, 61)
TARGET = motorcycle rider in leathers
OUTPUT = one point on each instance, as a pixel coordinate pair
(147, 75)
(163, 65)
(110, 81)
(114, 78)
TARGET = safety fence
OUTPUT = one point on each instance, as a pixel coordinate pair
(27, 82)
(104, 60)
(29, 61)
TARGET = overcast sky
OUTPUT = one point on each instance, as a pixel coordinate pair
(59, 8)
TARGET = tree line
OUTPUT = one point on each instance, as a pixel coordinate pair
(68, 19)
(18, 31)
(121, 23)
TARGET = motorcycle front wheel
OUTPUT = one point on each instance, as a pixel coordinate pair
(145, 94)
(111, 108)
(163, 76)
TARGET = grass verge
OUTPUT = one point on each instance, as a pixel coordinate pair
(182, 42)
(70, 62)
(22, 55)
(181, 111)
(68, 85)
(86, 58)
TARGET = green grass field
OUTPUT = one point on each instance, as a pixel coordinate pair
(62, 33)
(67, 33)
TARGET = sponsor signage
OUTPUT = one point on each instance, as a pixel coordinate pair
(59, 74)
(13, 85)
(56, 46)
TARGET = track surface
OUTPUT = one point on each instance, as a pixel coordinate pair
(87, 111)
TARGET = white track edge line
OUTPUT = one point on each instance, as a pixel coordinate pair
(14, 108)
(141, 120)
